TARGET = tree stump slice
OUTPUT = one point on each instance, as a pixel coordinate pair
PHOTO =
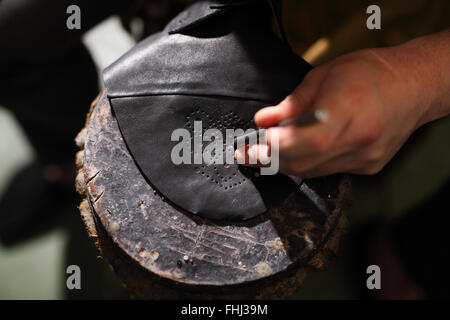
(145, 239)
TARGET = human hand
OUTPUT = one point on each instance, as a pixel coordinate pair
(373, 105)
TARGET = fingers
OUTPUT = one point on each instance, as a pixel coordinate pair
(306, 168)
(319, 149)
(305, 148)
(365, 161)
(299, 101)
(290, 107)
(316, 140)
(255, 155)
(360, 135)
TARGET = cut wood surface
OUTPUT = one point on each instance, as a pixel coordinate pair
(147, 240)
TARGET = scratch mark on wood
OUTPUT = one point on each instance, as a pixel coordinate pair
(199, 239)
(219, 244)
(176, 250)
(176, 228)
(93, 177)
(99, 196)
(213, 248)
(234, 236)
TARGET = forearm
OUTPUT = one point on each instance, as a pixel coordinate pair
(426, 62)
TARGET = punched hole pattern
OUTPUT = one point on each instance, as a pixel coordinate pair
(224, 175)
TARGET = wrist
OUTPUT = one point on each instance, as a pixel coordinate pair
(425, 64)
(400, 85)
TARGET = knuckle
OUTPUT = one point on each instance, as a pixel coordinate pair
(284, 140)
(292, 101)
(369, 133)
(283, 145)
(374, 156)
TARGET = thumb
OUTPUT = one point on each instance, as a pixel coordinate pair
(298, 102)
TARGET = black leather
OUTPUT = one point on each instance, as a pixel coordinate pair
(217, 61)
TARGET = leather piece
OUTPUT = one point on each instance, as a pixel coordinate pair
(194, 16)
(221, 66)
(231, 54)
(217, 191)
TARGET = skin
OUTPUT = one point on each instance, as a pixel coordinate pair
(375, 99)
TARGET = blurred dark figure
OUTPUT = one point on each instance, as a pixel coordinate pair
(48, 80)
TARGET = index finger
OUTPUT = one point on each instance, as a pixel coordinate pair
(299, 101)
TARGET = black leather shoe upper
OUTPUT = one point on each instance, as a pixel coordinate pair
(219, 62)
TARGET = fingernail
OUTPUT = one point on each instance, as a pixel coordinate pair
(239, 156)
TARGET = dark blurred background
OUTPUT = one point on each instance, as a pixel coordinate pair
(397, 219)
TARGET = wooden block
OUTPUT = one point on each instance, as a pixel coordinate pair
(160, 252)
